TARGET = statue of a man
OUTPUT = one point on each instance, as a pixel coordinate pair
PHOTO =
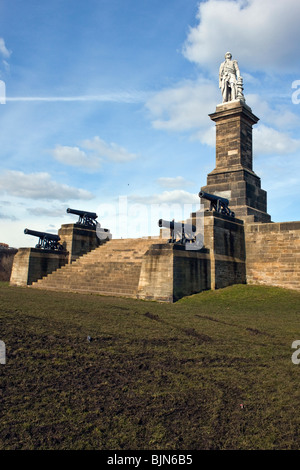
(230, 80)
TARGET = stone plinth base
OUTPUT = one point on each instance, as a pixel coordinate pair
(78, 240)
(273, 254)
(6, 261)
(225, 238)
(31, 264)
(234, 178)
(242, 188)
(170, 272)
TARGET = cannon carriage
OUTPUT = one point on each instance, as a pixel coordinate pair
(85, 218)
(217, 203)
(180, 232)
(47, 241)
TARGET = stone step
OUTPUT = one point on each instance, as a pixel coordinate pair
(105, 291)
(98, 267)
(132, 282)
(94, 287)
(114, 273)
(115, 249)
(110, 269)
(96, 279)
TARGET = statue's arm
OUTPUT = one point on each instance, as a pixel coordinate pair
(221, 70)
(237, 70)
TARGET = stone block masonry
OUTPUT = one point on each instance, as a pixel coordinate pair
(170, 272)
(153, 269)
(78, 240)
(31, 264)
(111, 269)
(233, 177)
(6, 262)
(245, 248)
(224, 237)
(273, 254)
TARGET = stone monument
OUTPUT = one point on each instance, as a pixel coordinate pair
(230, 80)
(240, 246)
(233, 177)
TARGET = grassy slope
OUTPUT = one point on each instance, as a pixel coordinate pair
(155, 376)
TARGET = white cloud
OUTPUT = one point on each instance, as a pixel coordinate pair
(178, 196)
(6, 66)
(242, 27)
(7, 216)
(47, 212)
(75, 157)
(3, 49)
(270, 141)
(92, 154)
(114, 97)
(265, 33)
(110, 151)
(176, 182)
(184, 107)
(207, 136)
(279, 115)
(38, 186)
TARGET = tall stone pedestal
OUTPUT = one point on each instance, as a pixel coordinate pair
(224, 237)
(233, 177)
(170, 272)
(6, 262)
(31, 264)
(78, 240)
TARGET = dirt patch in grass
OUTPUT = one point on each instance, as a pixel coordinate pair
(154, 376)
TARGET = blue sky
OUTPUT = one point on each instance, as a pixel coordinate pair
(107, 105)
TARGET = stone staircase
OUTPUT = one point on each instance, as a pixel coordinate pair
(111, 269)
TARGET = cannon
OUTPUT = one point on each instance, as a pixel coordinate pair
(217, 203)
(179, 230)
(103, 233)
(87, 219)
(47, 241)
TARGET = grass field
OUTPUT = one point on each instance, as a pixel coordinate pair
(212, 371)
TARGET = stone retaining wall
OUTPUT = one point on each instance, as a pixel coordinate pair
(6, 262)
(273, 254)
(31, 264)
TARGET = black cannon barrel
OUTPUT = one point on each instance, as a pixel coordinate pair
(218, 203)
(176, 225)
(213, 197)
(91, 215)
(166, 223)
(42, 235)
